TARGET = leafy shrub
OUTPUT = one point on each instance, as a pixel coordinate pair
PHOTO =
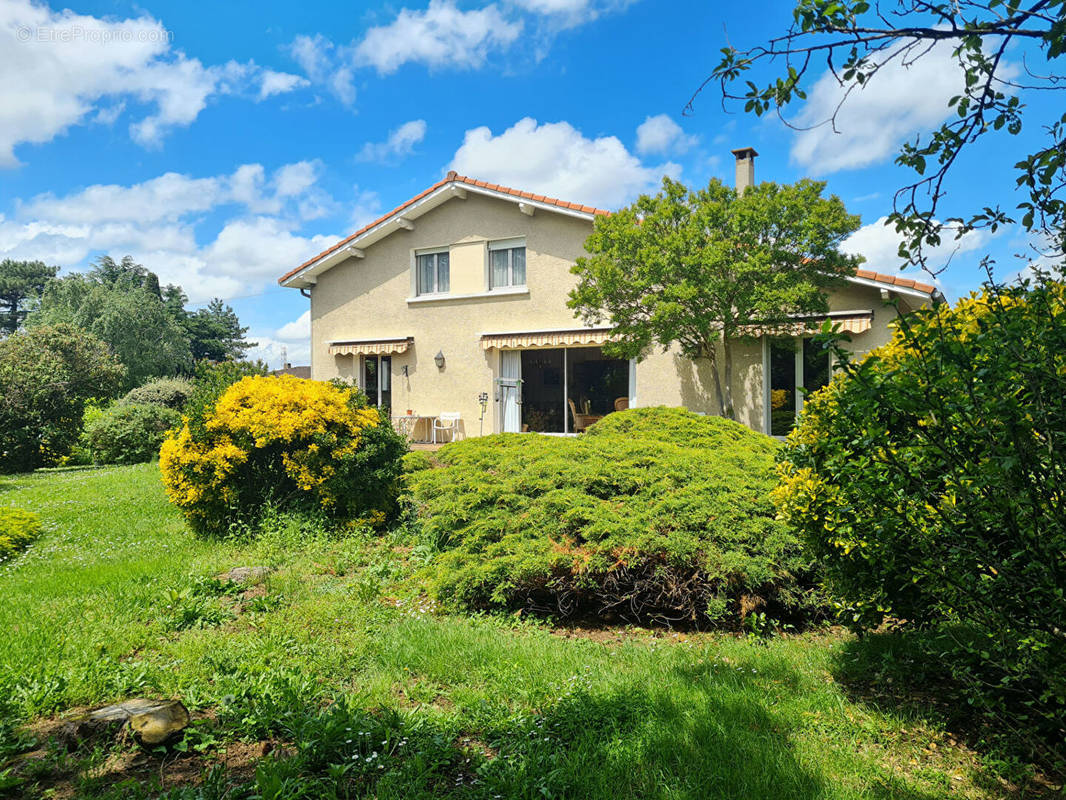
(129, 433)
(18, 529)
(930, 480)
(655, 514)
(47, 375)
(293, 444)
(167, 392)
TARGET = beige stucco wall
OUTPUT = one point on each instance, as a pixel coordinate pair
(668, 378)
(368, 298)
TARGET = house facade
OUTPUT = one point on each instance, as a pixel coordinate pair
(456, 302)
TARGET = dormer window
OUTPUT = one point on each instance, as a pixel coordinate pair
(433, 272)
(507, 264)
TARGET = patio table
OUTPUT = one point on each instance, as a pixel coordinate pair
(407, 425)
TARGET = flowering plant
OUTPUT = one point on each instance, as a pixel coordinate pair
(293, 443)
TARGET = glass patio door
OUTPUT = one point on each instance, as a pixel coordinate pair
(510, 385)
(377, 380)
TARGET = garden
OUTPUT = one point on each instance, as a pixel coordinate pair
(670, 605)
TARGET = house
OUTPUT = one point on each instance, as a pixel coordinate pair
(296, 372)
(455, 301)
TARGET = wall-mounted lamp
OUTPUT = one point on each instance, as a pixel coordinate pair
(439, 359)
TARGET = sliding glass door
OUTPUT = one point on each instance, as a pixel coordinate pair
(791, 365)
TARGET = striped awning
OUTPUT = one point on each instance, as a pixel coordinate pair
(849, 322)
(523, 340)
(371, 347)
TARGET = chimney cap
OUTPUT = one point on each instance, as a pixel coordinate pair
(744, 152)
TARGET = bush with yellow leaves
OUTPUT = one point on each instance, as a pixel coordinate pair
(929, 479)
(287, 443)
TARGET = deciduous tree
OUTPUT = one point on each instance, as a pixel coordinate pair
(704, 268)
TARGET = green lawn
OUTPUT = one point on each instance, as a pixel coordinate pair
(356, 691)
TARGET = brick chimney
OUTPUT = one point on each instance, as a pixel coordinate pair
(745, 167)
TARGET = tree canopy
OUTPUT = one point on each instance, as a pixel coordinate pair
(20, 281)
(145, 325)
(46, 376)
(704, 268)
(856, 40)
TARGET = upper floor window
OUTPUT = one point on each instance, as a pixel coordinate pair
(507, 264)
(433, 272)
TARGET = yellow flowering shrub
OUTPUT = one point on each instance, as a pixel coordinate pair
(292, 443)
(929, 479)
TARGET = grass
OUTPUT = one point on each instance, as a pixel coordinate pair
(355, 688)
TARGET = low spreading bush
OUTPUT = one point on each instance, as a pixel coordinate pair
(287, 443)
(168, 392)
(128, 433)
(18, 529)
(930, 480)
(654, 515)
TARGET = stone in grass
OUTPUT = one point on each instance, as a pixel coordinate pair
(245, 574)
(152, 722)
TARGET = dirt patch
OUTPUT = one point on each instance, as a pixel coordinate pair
(63, 760)
(128, 764)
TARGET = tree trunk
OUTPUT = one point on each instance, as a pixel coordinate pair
(727, 409)
(712, 356)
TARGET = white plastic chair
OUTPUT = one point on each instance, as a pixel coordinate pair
(447, 421)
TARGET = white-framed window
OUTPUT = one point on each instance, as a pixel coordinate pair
(507, 263)
(789, 366)
(432, 272)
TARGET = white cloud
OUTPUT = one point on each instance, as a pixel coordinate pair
(897, 103)
(879, 243)
(400, 142)
(295, 179)
(325, 64)
(291, 342)
(661, 135)
(156, 222)
(366, 207)
(440, 36)
(272, 83)
(61, 67)
(556, 159)
(296, 330)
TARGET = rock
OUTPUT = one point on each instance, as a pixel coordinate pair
(160, 724)
(151, 721)
(245, 574)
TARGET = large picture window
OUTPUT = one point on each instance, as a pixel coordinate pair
(507, 265)
(791, 364)
(433, 272)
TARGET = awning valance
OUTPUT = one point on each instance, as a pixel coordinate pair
(522, 340)
(371, 347)
(849, 322)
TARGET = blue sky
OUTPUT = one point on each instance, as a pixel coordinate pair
(222, 144)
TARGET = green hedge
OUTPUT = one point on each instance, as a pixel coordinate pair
(168, 392)
(18, 529)
(654, 515)
(128, 433)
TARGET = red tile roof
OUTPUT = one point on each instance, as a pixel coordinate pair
(896, 280)
(452, 177)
